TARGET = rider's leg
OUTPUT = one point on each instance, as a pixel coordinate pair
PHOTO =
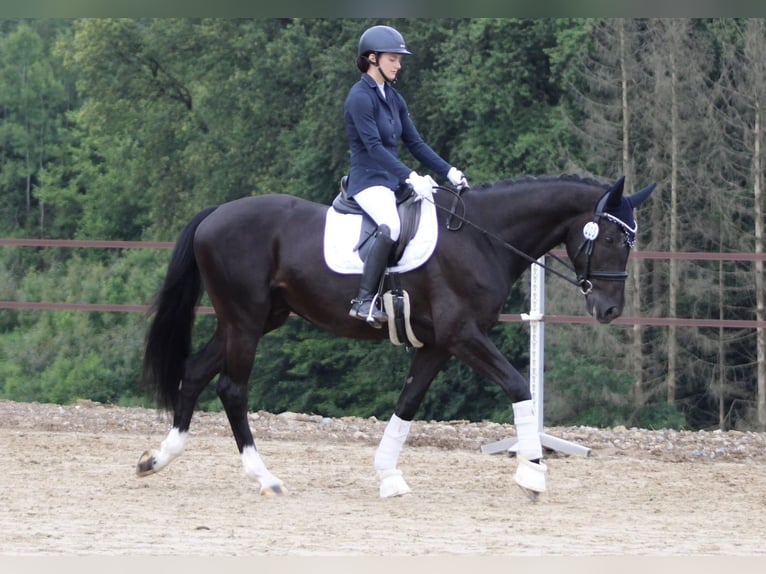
(380, 204)
(363, 306)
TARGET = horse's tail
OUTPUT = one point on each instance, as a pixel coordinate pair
(168, 341)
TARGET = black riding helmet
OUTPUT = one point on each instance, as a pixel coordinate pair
(380, 39)
(377, 40)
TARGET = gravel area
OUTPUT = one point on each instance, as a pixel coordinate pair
(665, 445)
(69, 488)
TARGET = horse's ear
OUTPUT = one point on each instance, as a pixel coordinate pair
(614, 194)
(640, 196)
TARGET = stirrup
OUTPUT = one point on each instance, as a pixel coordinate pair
(374, 316)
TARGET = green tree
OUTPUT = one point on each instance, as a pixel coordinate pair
(33, 98)
(496, 97)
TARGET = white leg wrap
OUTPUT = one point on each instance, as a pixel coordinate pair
(256, 469)
(171, 448)
(527, 431)
(387, 455)
(529, 475)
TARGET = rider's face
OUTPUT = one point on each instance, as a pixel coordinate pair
(390, 64)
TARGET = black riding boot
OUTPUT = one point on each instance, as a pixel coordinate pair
(363, 306)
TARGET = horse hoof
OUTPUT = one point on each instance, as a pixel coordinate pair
(273, 490)
(392, 484)
(530, 476)
(145, 465)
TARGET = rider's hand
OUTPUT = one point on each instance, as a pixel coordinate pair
(421, 185)
(457, 178)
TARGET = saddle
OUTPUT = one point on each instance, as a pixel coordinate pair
(408, 207)
(396, 301)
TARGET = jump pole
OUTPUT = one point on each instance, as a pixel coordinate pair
(536, 375)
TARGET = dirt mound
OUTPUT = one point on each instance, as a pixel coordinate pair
(87, 416)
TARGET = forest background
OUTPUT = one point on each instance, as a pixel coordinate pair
(122, 129)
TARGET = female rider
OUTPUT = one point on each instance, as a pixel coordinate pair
(377, 119)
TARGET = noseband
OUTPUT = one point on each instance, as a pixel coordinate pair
(591, 231)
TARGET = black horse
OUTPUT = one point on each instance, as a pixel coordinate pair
(261, 259)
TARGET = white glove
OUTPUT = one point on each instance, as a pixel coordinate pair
(457, 178)
(422, 185)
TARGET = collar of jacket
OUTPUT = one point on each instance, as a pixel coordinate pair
(367, 79)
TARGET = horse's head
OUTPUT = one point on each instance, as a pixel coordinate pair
(600, 247)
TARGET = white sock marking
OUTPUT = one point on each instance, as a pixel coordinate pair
(171, 448)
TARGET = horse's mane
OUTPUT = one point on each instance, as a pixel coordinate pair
(545, 179)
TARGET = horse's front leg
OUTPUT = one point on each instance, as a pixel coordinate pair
(479, 353)
(426, 364)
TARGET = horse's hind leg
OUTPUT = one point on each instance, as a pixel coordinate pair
(232, 389)
(199, 370)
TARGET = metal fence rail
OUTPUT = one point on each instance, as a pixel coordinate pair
(505, 318)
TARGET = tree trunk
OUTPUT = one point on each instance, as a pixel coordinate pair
(754, 51)
(721, 367)
(638, 386)
(759, 295)
(673, 272)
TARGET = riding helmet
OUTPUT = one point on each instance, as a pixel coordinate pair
(382, 39)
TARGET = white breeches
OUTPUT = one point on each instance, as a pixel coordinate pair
(379, 202)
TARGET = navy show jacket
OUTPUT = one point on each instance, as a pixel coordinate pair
(375, 126)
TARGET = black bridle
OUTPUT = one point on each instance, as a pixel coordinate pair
(590, 231)
(584, 278)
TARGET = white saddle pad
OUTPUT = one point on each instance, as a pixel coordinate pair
(342, 231)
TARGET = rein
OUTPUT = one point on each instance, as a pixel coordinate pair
(503, 242)
(591, 229)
